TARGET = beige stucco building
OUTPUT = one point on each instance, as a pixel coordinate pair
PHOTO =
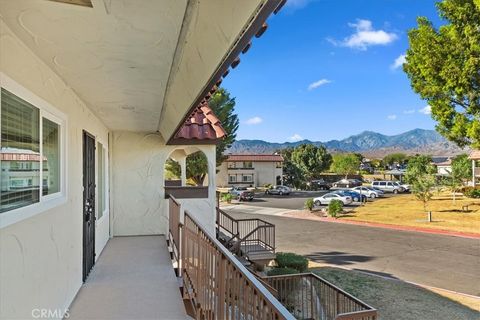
(96, 95)
(250, 170)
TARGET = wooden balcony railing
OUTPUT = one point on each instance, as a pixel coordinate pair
(307, 296)
(174, 231)
(217, 284)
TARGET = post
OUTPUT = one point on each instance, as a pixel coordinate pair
(183, 170)
(429, 216)
(473, 173)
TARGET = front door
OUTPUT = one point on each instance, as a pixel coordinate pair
(88, 203)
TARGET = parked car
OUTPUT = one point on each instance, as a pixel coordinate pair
(369, 191)
(347, 183)
(241, 193)
(356, 196)
(280, 190)
(403, 185)
(319, 185)
(388, 186)
(327, 198)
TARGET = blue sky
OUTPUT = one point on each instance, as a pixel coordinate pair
(326, 69)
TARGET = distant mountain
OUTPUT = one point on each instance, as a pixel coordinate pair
(369, 143)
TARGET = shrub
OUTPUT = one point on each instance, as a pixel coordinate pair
(281, 271)
(227, 197)
(268, 186)
(334, 208)
(309, 204)
(472, 193)
(292, 260)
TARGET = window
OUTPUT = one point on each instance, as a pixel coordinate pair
(248, 165)
(231, 165)
(232, 178)
(247, 178)
(101, 180)
(30, 153)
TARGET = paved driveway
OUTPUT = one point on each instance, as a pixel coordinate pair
(440, 261)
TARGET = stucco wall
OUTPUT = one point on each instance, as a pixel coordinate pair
(41, 257)
(263, 173)
(139, 206)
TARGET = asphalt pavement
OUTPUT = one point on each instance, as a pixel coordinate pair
(446, 262)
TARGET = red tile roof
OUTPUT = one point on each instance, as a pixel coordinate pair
(201, 125)
(475, 155)
(255, 157)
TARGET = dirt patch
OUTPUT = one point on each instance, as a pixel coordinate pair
(400, 300)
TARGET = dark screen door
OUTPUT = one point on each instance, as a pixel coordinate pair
(88, 203)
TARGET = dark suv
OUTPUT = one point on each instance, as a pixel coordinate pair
(319, 185)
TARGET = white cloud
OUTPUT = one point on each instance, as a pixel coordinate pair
(399, 61)
(365, 35)
(316, 84)
(297, 4)
(410, 111)
(426, 110)
(392, 117)
(296, 137)
(254, 120)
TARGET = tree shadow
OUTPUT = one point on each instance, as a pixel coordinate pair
(337, 258)
(378, 273)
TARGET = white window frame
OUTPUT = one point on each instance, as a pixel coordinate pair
(232, 180)
(105, 182)
(51, 113)
(246, 176)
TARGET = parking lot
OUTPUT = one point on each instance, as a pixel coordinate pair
(294, 201)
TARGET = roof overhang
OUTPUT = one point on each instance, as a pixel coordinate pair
(139, 65)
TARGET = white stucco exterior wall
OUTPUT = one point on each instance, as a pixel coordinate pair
(264, 172)
(139, 206)
(41, 256)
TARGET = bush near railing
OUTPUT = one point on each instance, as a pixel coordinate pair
(291, 260)
(281, 271)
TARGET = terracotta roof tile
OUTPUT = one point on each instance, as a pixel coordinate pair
(475, 155)
(255, 157)
(202, 124)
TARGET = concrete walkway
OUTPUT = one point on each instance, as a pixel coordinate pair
(132, 279)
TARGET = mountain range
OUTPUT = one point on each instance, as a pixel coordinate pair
(369, 143)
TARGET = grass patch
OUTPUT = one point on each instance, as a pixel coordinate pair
(405, 210)
(396, 299)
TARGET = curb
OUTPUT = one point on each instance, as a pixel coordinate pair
(466, 235)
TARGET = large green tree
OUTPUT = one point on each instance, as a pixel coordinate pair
(418, 168)
(461, 172)
(345, 164)
(311, 160)
(223, 106)
(400, 158)
(292, 174)
(444, 69)
(196, 168)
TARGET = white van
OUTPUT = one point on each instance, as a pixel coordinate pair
(388, 186)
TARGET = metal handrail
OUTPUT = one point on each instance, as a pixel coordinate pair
(338, 304)
(208, 285)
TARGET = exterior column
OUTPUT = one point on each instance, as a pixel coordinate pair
(183, 169)
(473, 172)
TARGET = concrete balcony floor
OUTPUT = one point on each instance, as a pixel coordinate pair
(132, 279)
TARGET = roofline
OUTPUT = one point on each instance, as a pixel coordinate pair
(262, 15)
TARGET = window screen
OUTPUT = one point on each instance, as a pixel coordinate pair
(19, 152)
